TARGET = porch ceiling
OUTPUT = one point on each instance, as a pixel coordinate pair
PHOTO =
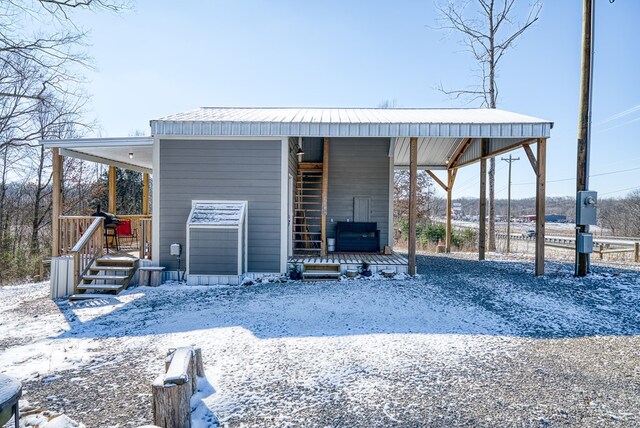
(437, 152)
(109, 151)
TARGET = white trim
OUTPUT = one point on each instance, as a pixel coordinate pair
(98, 142)
(241, 227)
(392, 146)
(391, 194)
(92, 158)
(284, 202)
(219, 138)
(155, 204)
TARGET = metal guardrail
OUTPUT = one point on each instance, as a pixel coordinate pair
(601, 246)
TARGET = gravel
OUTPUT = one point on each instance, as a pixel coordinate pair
(466, 344)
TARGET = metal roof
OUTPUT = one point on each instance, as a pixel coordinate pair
(351, 122)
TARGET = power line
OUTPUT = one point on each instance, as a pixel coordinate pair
(590, 176)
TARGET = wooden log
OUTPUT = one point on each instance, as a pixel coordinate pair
(636, 252)
(199, 364)
(172, 391)
(171, 404)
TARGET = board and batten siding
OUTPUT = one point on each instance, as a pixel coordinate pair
(213, 251)
(359, 167)
(243, 170)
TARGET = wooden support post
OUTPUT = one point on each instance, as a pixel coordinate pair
(413, 211)
(482, 234)
(451, 177)
(325, 190)
(112, 189)
(56, 206)
(540, 204)
(145, 193)
(636, 252)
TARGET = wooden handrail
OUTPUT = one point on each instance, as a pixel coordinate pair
(87, 250)
(88, 234)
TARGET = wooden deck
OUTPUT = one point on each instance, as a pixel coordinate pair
(377, 262)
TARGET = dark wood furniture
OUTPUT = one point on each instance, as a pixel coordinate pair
(357, 236)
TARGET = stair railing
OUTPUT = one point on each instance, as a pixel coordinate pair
(89, 247)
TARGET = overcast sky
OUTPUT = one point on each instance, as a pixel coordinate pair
(168, 57)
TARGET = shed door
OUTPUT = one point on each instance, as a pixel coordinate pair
(361, 209)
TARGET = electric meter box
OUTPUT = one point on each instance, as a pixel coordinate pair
(585, 243)
(175, 249)
(586, 203)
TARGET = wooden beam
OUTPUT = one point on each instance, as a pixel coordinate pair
(482, 236)
(56, 206)
(436, 179)
(310, 166)
(325, 190)
(112, 189)
(453, 162)
(499, 152)
(413, 207)
(540, 204)
(145, 194)
(451, 177)
(532, 158)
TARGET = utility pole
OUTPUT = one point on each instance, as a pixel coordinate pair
(584, 122)
(511, 160)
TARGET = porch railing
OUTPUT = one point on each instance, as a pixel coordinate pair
(87, 250)
(73, 228)
(140, 228)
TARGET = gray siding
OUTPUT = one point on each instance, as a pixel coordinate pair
(358, 167)
(222, 170)
(213, 252)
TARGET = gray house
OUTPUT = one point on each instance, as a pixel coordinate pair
(317, 184)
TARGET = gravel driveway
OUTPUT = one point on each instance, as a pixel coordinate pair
(465, 344)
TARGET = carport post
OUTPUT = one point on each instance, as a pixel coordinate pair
(145, 193)
(540, 204)
(451, 176)
(413, 214)
(56, 201)
(112, 189)
(483, 209)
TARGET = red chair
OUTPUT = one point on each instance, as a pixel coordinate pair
(124, 230)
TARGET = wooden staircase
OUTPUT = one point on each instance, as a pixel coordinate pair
(307, 225)
(108, 275)
(321, 271)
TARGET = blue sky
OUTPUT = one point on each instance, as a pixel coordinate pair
(167, 57)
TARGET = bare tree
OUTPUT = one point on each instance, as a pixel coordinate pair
(488, 31)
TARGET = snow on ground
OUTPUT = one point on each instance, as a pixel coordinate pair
(466, 343)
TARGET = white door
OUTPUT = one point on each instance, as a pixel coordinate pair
(361, 209)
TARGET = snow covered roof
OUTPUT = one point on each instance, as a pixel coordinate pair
(217, 213)
(351, 122)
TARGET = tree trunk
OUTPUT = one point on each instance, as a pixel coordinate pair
(35, 219)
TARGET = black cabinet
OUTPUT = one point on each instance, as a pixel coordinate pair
(357, 236)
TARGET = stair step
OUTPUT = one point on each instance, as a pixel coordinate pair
(103, 277)
(307, 240)
(87, 296)
(111, 268)
(116, 261)
(106, 287)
